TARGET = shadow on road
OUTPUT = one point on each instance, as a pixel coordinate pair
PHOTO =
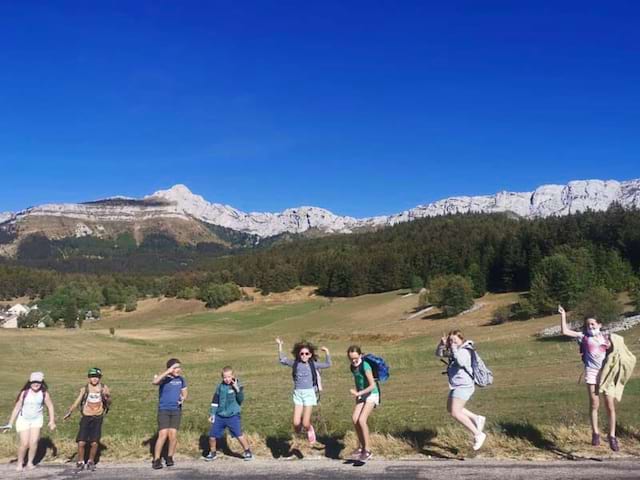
(423, 442)
(281, 448)
(44, 444)
(221, 446)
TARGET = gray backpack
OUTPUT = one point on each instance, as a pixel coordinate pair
(481, 375)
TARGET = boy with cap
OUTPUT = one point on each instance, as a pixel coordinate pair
(94, 400)
(172, 394)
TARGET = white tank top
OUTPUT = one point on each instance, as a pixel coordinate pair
(32, 406)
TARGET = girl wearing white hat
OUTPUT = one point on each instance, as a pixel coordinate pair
(28, 415)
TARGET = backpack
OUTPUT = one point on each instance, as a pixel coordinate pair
(481, 375)
(106, 403)
(378, 366)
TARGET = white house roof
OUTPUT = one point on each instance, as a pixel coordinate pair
(19, 309)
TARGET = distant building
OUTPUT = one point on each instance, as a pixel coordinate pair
(9, 321)
(19, 309)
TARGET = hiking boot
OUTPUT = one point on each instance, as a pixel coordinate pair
(211, 457)
(169, 462)
(156, 464)
(79, 467)
(595, 439)
(481, 422)
(91, 466)
(365, 455)
(356, 453)
(311, 434)
(479, 441)
(247, 455)
(613, 443)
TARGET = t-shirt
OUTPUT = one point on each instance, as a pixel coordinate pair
(93, 405)
(594, 351)
(359, 374)
(303, 376)
(32, 405)
(170, 390)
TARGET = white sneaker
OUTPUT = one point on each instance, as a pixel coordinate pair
(480, 422)
(479, 440)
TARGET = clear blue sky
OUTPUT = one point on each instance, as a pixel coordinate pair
(362, 107)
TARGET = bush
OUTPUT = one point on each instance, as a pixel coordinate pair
(555, 282)
(523, 310)
(453, 294)
(598, 303)
(416, 283)
(501, 315)
(215, 295)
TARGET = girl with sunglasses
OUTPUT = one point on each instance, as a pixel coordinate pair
(28, 415)
(305, 366)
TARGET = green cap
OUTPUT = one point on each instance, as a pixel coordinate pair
(94, 372)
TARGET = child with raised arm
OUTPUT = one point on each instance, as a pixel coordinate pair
(225, 413)
(305, 366)
(594, 345)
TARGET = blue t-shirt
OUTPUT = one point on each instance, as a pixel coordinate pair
(170, 390)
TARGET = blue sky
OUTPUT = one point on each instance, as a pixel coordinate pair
(361, 107)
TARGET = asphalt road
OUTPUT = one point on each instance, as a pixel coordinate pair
(329, 469)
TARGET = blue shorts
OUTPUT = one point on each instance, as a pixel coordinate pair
(463, 393)
(232, 423)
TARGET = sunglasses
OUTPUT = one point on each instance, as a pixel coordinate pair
(305, 354)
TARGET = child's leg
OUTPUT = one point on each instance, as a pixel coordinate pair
(362, 422)
(162, 438)
(93, 452)
(34, 436)
(594, 403)
(81, 446)
(172, 434)
(610, 403)
(355, 419)
(243, 442)
(212, 444)
(455, 407)
(471, 415)
(22, 448)
(306, 416)
(297, 417)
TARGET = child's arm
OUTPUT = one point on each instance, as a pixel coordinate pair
(281, 356)
(327, 361)
(16, 411)
(442, 347)
(75, 405)
(214, 405)
(52, 414)
(564, 328)
(239, 392)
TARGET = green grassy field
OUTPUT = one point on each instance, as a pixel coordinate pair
(534, 408)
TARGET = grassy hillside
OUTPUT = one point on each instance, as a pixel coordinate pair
(534, 408)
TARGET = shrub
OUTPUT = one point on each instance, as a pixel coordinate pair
(451, 293)
(416, 283)
(555, 281)
(501, 315)
(598, 303)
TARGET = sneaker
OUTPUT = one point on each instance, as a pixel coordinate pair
(247, 455)
(481, 422)
(311, 434)
(211, 457)
(365, 455)
(79, 467)
(479, 440)
(156, 464)
(613, 443)
(169, 462)
(595, 439)
(91, 466)
(356, 453)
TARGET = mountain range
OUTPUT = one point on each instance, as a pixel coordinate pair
(190, 219)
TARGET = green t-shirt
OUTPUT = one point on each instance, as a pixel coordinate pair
(361, 379)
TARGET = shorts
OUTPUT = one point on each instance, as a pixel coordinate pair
(90, 429)
(591, 376)
(305, 397)
(23, 424)
(463, 393)
(370, 398)
(232, 423)
(169, 419)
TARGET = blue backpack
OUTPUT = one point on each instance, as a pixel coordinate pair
(378, 366)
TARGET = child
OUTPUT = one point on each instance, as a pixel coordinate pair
(94, 400)
(367, 396)
(594, 345)
(461, 384)
(29, 419)
(305, 381)
(225, 413)
(172, 395)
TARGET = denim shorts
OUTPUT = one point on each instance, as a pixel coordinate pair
(305, 396)
(232, 423)
(463, 393)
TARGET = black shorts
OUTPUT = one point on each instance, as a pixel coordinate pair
(169, 419)
(90, 429)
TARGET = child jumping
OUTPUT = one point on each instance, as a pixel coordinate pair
(305, 368)
(225, 413)
(594, 345)
(94, 400)
(461, 384)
